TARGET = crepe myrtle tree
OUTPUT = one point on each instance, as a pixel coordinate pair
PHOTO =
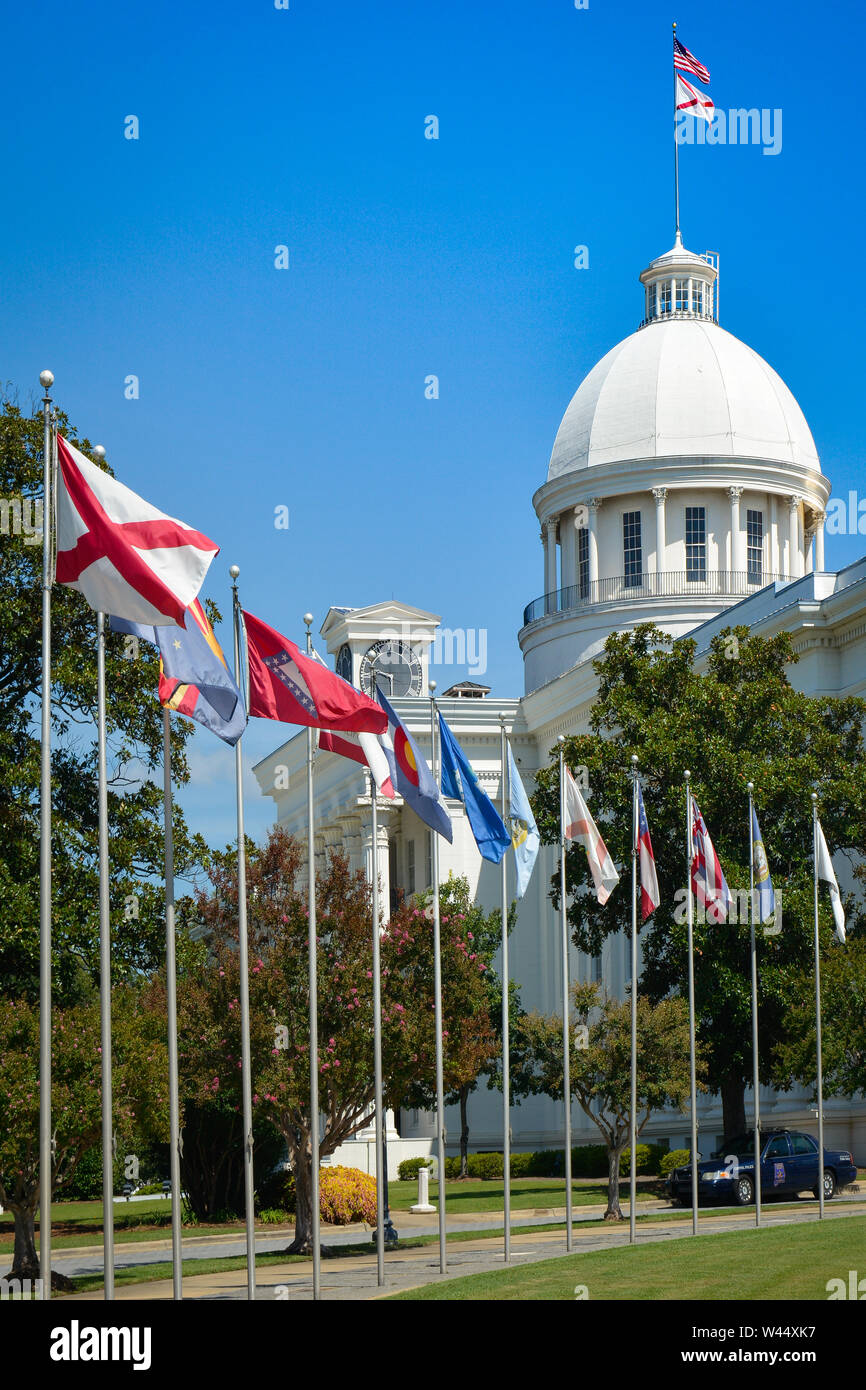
(600, 1065)
(139, 1098)
(736, 720)
(209, 1010)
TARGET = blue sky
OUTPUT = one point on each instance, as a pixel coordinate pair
(408, 257)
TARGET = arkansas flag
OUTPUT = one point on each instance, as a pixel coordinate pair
(579, 825)
(126, 557)
(296, 689)
(364, 749)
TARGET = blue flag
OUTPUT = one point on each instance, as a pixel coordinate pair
(765, 899)
(524, 831)
(459, 781)
(194, 678)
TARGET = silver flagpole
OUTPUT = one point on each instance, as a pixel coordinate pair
(171, 1006)
(377, 1045)
(314, 1001)
(693, 1089)
(755, 1079)
(506, 1059)
(105, 970)
(244, 964)
(566, 1040)
(46, 1156)
(676, 152)
(437, 995)
(633, 1123)
(818, 1016)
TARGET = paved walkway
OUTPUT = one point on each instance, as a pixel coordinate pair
(355, 1277)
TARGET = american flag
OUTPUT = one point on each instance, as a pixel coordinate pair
(708, 881)
(649, 884)
(687, 62)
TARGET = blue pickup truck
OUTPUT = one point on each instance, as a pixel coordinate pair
(789, 1164)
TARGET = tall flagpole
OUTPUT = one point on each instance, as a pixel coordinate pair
(244, 964)
(820, 1077)
(676, 157)
(633, 1102)
(755, 1078)
(381, 1176)
(566, 1040)
(171, 1009)
(314, 1000)
(506, 1058)
(105, 970)
(46, 1156)
(437, 996)
(693, 1089)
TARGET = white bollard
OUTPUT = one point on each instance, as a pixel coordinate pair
(423, 1203)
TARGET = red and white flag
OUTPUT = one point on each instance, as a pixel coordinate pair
(296, 689)
(693, 102)
(685, 61)
(708, 881)
(580, 826)
(649, 883)
(125, 556)
(364, 749)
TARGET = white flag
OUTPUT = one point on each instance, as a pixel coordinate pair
(693, 102)
(825, 871)
(580, 826)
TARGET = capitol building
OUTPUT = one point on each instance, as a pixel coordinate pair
(684, 488)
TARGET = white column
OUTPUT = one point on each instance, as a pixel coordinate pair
(660, 495)
(673, 296)
(795, 559)
(775, 563)
(735, 493)
(380, 864)
(549, 533)
(594, 504)
(689, 293)
(819, 542)
(568, 549)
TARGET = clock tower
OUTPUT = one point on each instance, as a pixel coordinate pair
(386, 644)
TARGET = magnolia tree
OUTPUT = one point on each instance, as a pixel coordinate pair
(600, 1065)
(139, 1098)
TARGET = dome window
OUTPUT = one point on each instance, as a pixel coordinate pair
(583, 561)
(696, 544)
(755, 546)
(682, 296)
(632, 550)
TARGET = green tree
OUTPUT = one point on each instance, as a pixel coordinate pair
(135, 754)
(739, 720)
(843, 1022)
(139, 1097)
(600, 1065)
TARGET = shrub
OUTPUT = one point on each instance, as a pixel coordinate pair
(151, 1189)
(409, 1168)
(677, 1158)
(276, 1192)
(520, 1165)
(347, 1194)
(589, 1161)
(486, 1166)
(452, 1167)
(274, 1216)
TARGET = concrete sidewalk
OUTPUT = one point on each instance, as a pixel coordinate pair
(354, 1278)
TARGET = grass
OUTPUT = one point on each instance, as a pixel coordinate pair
(489, 1195)
(782, 1262)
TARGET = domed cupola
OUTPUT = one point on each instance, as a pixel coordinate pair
(683, 478)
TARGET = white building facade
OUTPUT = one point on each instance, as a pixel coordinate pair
(684, 488)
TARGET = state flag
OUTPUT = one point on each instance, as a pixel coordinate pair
(649, 883)
(580, 826)
(825, 871)
(459, 781)
(693, 102)
(365, 749)
(524, 832)
(764, 905)
(708, 881)
(296, 689)
(410, 774)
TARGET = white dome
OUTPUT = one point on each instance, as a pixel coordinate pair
(679, 388)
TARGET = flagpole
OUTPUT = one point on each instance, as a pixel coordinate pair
(244, 963)
(437, 1000)
(820, 1077)
(314, 1000)
(633, 1123)
(676, 154)
(506, 1057)
(46, 1157)
(566, 1041)
(692, 1077)
(104, 970)
(755, 1078)
(381, 1176)
(171, 1009)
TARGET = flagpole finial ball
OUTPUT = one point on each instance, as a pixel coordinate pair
(431, 686)
(561, 738)
(47, 379)
(814, 798)
(308, 618)
(99, 451)
(234, 571)
(750, 787)
(634, 759)
(687, 775)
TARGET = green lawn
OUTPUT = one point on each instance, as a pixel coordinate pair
(471, 1196)
(781, 1262)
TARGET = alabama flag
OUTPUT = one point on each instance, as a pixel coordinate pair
(693, 102)
(125, 556)
(580, 826)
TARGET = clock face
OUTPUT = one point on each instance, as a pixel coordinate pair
(394, 666)
(344, 663)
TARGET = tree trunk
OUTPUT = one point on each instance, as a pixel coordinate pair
(464, 1132)
(614, 1211)
(733, 1106)
(302, 1164)
(25, 1260)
